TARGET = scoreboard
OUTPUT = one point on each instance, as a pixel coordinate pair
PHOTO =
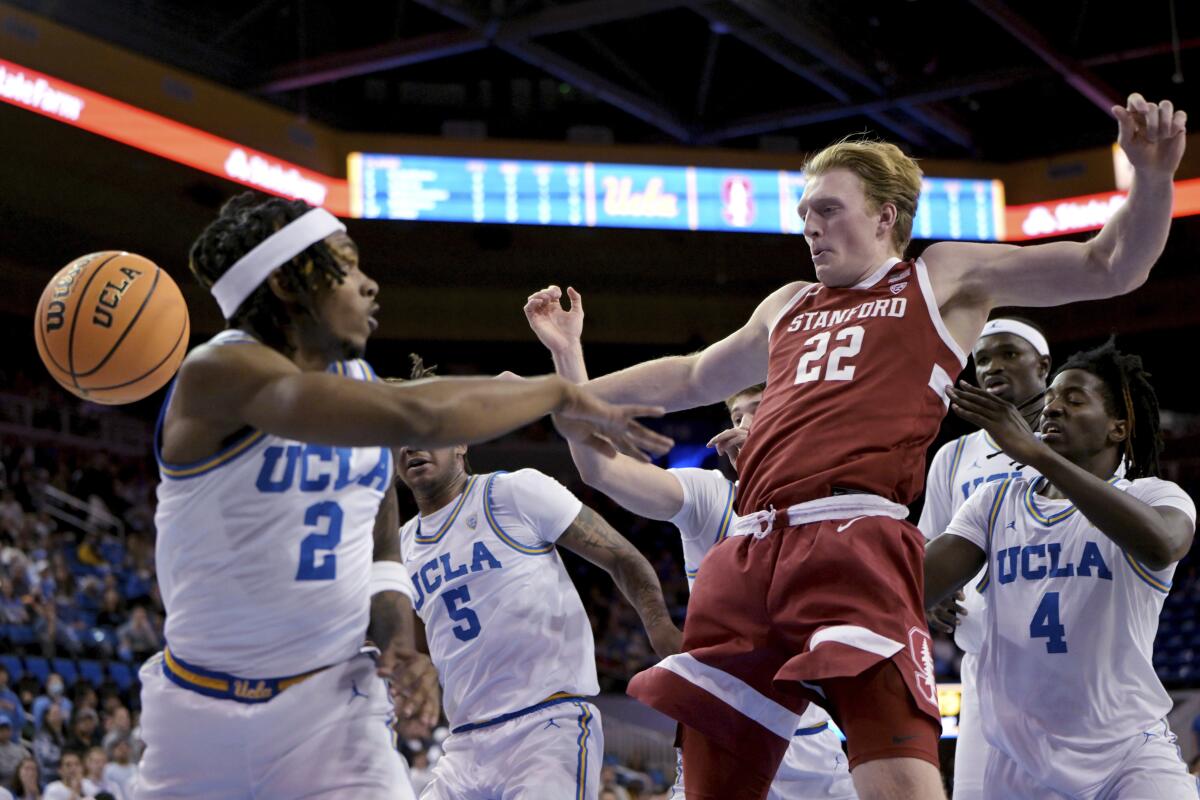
(609, 195)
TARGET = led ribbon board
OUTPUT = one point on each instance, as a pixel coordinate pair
(1086, 213)
(112, 119)
(595, 194)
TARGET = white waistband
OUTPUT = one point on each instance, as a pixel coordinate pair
(840, 506)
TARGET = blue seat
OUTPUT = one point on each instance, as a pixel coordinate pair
(38, 667)
(66, 668)
(92, 672)
(21, 635)
(15, 670)
(121, 674)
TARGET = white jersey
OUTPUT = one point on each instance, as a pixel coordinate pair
(1071, 620)
(505, 625)
(264, 550)
(958, 469)
(705, 519)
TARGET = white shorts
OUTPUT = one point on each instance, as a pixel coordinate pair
(1150, 769)
(814, 766)
(554, 753)
(328, 736)
(971, 751)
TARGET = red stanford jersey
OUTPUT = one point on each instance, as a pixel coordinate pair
(855, 392)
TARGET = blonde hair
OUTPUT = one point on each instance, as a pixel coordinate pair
(757, 388)
(887, 174)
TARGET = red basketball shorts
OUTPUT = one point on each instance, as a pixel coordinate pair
(774, 616)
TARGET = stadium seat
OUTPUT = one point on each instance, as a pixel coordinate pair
(13, 665)
(92, 672)
(121, 674)
(38, 667)
(66, 668)
(21, 635)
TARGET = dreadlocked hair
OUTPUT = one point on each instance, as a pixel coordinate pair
(245, 221)
(1129, 396)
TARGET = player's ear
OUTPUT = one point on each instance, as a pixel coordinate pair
(279, 288)
(1118, 431)
(887, 219)
(1043, 367)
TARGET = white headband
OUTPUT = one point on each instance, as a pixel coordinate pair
(249, 271)
(1026, 332)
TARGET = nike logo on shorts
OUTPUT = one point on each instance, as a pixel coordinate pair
(902, 739)
(841, 528)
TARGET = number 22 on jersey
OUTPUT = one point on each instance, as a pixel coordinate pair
(814, 365)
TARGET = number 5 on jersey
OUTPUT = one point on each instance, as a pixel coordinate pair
(813, 362)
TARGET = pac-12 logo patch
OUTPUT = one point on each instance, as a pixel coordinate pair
(920, 647)
(472, 521)
(897, 288)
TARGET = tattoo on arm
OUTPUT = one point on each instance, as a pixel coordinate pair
(591, 537)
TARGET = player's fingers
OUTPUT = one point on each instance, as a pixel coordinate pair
(969, 416)
(649, 440)
(1150, 121)
(576, 299)
(1166, 114)
(1179, 123)
(722, 437)
(1136, 103)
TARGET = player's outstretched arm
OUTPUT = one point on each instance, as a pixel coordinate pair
(1157, 536)
(257, 386)
(414, 682)
(590, 537)
(678, 382)
(643, 488)
(950, 561)
(1116, 261)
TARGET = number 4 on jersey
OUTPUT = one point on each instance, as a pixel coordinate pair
(809, 367)
(1045, 625)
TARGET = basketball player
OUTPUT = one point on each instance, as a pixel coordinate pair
(817, 595)
(274, 451)
(505, 626)
(699, 503)
(1079, 561)
(1012, 362)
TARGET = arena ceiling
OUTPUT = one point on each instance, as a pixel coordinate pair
(946, 78)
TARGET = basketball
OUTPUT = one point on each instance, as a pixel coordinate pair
(111, 327)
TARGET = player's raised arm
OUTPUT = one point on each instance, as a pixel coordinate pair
(591, 537)
(709, 376)
(254, 385)
(643, 488)
(1116, 261)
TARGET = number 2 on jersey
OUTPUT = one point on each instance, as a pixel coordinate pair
(312, 545)
(810, 364)
(1045, 625)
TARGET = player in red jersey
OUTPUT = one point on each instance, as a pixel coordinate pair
(820, 598)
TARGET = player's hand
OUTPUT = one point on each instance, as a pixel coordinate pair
(616, 423)
(729, 443)
(999, 418)
(945, 615)
(557, 328)
(1153, 135)
(413, 686)
(666, 639)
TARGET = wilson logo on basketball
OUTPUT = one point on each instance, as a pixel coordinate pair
(56, 309)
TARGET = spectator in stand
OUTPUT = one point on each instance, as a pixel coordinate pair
(138, 639)
(117, 721)
(10, 709)
(112, 614)
(53, 697)
(85, 697)
(85, 730)
(94, 765)
(49, 742)
(120, 770)
(72, 785)
(12, 515)
(13, 610)
(11, 753)
(27, 784)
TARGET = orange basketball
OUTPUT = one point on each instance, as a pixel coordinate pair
(112, 327)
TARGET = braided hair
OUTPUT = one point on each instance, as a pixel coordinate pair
(245, 221)
(1130, 396)
(419, 371)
